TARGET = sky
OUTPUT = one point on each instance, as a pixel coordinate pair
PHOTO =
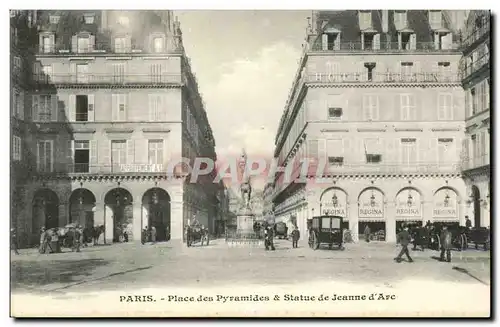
(245, 63)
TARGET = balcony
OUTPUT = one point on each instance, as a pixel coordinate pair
(387, 77)
(101, 48)
(384, 47)
(477, 34)
(479, 64)
(88, 169)
(476, 162)
(103, 79)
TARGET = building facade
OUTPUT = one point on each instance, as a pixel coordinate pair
(377, 108)
(113, 104)
(476, 70)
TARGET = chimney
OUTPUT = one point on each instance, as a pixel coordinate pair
(385, 21)
(104, 20)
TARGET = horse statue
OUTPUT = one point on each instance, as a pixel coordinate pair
(245, 187)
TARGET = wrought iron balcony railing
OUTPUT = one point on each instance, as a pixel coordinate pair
(383, 78)
(476, 162)
(468, 70)
(102, 47)
(383, 47)
(85, 168)
(477, 33)
(108, 79)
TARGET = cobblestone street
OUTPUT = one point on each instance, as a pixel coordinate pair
(162, 264)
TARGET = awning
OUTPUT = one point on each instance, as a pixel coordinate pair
(445, 220)
(406, 30)
(372, 220)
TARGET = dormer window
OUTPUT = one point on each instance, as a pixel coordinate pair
(443, 39)
(331, 39)
(54, 19)
(82, 42)
(400, 19)
(158, 44)
(122, 44)
(47, 41)
(435, 19)
(89, 18)
(407, 39)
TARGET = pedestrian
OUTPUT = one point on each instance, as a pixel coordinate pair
(125, 236)
(445, 238)
(404, 239)
(468, 222)
(144, 235)
(295, 237)
(153, 234)
(13, 240)
(367, 233)
(43, 241)
(428, 224)
(269, 239)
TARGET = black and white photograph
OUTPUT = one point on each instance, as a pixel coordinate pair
(250, 163)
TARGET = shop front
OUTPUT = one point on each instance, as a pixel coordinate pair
(408, 208)
(371, 214)
(445, 207)
(334, 203)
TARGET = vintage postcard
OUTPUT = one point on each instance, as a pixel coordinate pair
(250, 163)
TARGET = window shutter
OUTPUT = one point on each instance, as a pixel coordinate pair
(345, 151)
(92, 42)
(313, 149)
(447, 41)
(375, 107)
(71, 156)
(40, 44)
(324, 41)
(21, 104)
(93, 157)
(366, 107)
(105, 148)
(151, 107)
(35, 107)
(413, 41)
(38, 156)
(441, 108)
(486, 94)
(449, 107)
(163, 108)
(376, 42)
(130, 151)
(91, 107)
(322, 149)
(166, 155)
(402, 103)
(74, 44)
(72, 108)
(54, 108)
(483, 143)
(114, 107)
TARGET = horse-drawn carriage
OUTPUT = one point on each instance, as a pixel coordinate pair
(326, 230)
(281, 230)
(195, 234)
(479, 236)
(54, 239)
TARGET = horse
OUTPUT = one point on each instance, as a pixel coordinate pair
(91, 234)
(196, 234)
(70, 238)
(421, 237)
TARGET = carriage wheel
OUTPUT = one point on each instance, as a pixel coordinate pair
(315, 242)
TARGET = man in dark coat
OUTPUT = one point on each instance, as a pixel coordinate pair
(468, 223)
(445, 238)
(295, 237)
(269, 238)
(404, 239)
(367, 233)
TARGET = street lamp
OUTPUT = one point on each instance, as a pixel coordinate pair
(372, 200)
(410, 199)
(155, 197)
(335, 200)
(446, 200)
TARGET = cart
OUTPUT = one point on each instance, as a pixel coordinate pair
(326, 230)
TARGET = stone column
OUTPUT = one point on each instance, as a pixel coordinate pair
(136, 221)
(390, 222)
(108, 224)
(352, 214)
(176, 222)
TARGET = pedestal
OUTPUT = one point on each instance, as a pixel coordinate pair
(244, 221)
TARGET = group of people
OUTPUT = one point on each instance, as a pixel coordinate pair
(269, 237)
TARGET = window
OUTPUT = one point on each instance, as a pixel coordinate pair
(89, 18)
(17, 104)
(373, 151)
(54, 19)
(435, 18)
(158, 44)
(16, 148)
(120, 44)
(408, 41)
(82, 156)
(46, 73)
(118, 152)
(17, 65)
(155, 152)
(445, 150)
(333, 41)
(45, 156)
(406, 71)
(444, 69)
(445, 109)
(409, 151)
(474, 100)
(82, 108)
(335, 113)
(47, 44)
(81, 73)
(336, 161)
(83, 44)
(155, 107)
(443, 40)
(370, 107)
(119, 73)
(155, 71)
(119, 104)
(44, 107)
(408, 107)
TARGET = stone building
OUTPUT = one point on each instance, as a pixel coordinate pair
(113, 104)
(377, 107)
(476, 72)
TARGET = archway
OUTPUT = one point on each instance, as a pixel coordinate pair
(477, 206)
(408, 203)
(371, 213)
(156, 206)
(446, 206)
(45, 210)
(82, 207)
(118, 213)
(333, 202)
